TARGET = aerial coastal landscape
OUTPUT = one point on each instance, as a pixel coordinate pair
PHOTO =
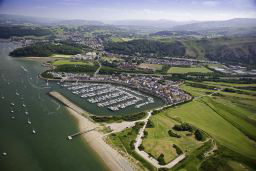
(150, 85)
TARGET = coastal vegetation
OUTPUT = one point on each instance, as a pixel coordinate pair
(45, 49)
(49, 49)
(124, 142)
(133, 117)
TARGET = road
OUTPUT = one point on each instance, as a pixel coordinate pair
(97, 71)
(152, 160)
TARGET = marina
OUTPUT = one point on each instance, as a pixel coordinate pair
(109, 96)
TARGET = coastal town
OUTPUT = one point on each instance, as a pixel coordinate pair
(110, 85)
(168, 91)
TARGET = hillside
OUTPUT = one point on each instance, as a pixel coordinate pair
(231, 50)
(233, 23)
(9, 31)
(146, 48)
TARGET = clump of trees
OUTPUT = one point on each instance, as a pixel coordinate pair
(75, 68)
(183, 127)
(199, 135)
(173, 134)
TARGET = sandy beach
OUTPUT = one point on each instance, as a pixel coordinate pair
(111, 158)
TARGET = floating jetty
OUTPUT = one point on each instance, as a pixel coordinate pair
(108, 95)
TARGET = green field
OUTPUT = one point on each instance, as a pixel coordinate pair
(61, 56)
(151, 66)
(159, 142)
(110, 59)
(64, 61)
(184, 70)
(228, 118)
(117, 39)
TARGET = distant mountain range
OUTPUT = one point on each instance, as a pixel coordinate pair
(208, 25)
(148, 23)
(6, 19)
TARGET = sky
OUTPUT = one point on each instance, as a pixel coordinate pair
(177, 10)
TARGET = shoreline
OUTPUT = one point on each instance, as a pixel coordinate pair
(110, 157)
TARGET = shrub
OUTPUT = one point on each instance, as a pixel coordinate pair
(141, 147)
(150, 124)
(132, 144)
(178, 150)
(160, 159)
(145, 134)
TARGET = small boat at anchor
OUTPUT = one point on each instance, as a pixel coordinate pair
(29, 122)
(34, 131)
(26, 113)
(23, 105)
(12, 104)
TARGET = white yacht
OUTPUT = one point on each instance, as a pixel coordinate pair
(34, 132)
(29, 122)
(12, 104)
(26, 113)
(23, 105)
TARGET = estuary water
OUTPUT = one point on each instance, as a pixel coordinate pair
(25, 108)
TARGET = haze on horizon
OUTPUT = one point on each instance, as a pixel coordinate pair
(104, 10)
